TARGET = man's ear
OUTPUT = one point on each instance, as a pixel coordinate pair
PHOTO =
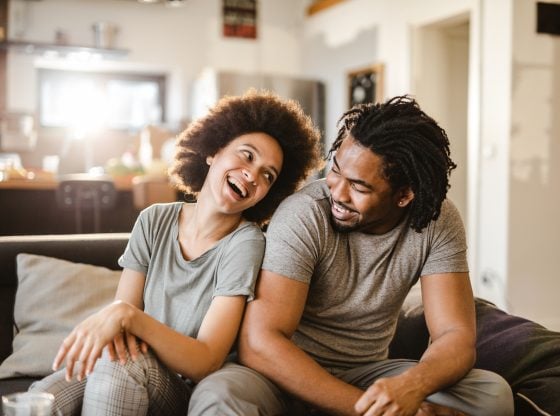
(404, 196)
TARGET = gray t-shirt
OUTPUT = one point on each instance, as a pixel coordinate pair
(357, 281)
(178, 292)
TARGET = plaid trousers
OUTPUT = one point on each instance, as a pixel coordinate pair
(141, 387)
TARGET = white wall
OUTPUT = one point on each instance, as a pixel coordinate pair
(494, 98)
(377, 32)
(331, 63)
(513, 130)
(179, 42)
(534, 198)
(439, 71)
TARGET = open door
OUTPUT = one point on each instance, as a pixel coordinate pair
(440, 65)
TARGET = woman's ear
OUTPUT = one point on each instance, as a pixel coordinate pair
(209, 160)
(404, 197)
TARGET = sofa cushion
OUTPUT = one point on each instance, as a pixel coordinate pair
(523, 352)
(53, 295)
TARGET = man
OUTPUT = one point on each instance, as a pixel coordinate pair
(341, 256)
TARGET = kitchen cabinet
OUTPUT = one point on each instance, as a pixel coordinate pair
(60, 49)
(30, 207)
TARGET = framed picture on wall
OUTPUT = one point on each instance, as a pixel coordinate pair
(365, 85)
(240, 18)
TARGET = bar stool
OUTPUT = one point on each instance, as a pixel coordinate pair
(84, 193)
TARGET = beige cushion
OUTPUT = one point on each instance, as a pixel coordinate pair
(52, 297)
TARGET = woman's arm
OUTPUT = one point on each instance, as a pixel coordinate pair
(124, 321)
(190, 357)
(80, 345)
(130, 290)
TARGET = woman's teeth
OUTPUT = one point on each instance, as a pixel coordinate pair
(237, 187)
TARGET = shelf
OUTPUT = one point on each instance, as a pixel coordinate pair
(45, 48)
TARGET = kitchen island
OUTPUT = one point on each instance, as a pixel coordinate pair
(29, 207)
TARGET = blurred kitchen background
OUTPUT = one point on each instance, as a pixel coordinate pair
(102, 87)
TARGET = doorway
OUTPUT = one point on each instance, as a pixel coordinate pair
(439, 68)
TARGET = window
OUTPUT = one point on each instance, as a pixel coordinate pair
(86, 101)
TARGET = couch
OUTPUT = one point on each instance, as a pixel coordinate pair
(526, 354)
(97, 249)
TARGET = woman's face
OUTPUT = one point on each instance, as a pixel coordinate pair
(242, 173)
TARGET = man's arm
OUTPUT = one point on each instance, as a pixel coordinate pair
(265, 345)
(450, 317)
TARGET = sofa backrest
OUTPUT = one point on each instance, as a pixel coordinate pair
(97, 249)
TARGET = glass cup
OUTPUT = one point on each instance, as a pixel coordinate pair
(27, 404)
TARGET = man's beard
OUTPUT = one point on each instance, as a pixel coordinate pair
(342, 228)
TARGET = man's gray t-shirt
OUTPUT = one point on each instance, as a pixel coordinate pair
(178, 292)
(357, 281)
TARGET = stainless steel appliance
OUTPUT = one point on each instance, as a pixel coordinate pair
(212, 84)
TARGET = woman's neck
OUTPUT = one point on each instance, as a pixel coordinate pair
(201, 224)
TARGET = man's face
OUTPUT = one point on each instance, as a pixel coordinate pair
(361, 198)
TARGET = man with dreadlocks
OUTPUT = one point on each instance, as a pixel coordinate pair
(341, 256)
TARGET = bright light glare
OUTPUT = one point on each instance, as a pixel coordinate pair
(78, 105)
(85, 105)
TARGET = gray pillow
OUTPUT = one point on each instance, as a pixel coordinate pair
(53, 296)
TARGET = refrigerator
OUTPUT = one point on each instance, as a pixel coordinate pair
(213, 84)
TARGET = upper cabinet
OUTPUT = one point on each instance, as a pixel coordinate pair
(43, 48)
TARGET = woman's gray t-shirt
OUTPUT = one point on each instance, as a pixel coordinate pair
(357, 281)
(178, 292)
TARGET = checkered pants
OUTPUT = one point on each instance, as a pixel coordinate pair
(143, 387)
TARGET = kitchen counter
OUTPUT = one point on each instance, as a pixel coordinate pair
(45, 182)
(29, 206)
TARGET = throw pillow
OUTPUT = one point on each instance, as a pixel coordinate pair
(53, 296)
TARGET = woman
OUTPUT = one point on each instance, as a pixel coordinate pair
(189, 268)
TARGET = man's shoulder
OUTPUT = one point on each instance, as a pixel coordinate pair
(313, 195)
(449, 212)
(309, 201)
(313, 191)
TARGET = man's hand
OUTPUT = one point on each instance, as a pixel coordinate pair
(391, 396)
(431, 409)
(396, 396)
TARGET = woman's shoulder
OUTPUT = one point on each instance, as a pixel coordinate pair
(162, 208)
(161, 214)
(248, 230)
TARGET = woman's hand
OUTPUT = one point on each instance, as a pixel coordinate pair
(124, 343)
(85, 343)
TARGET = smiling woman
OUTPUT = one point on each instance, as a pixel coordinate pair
(264, 112)
(243, 171)
(189, 268)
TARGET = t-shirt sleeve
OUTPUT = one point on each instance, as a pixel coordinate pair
(137, 254)
(448, 248)
(293, 238)
(240, 264)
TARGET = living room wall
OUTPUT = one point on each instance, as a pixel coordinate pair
(534, 240)
(179, 42)
(513, 134)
